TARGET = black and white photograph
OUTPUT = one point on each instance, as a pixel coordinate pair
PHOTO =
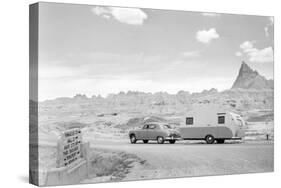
(127, 93)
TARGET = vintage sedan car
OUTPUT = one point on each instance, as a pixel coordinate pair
(160, 132)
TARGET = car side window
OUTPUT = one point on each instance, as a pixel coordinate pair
(152, 126)
(145, 127)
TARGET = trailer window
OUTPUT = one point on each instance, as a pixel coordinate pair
(221, 119)
(189, 121)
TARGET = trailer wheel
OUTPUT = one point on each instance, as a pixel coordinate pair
(220, 141)
(210, 139)
(160, 140)
(145, 141)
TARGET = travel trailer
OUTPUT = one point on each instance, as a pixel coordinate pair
(212, 124)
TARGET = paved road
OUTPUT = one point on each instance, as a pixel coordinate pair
(194, 159)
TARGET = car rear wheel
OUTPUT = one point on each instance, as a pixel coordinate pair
(145, 141)
(210, 139)
(160, 140)
(172, 141)
(133, 139)
(220, 141)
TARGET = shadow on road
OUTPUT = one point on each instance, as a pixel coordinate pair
(188, 143)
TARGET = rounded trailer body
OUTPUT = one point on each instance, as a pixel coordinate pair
(210, 124)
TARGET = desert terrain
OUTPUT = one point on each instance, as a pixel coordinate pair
(106, 121)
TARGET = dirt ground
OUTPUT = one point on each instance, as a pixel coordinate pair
(185, 159)
(118, 160)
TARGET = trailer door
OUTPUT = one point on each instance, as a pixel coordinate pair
(221, 125)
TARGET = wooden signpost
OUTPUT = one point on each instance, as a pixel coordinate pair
(69, 147)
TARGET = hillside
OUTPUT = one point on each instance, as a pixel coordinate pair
(251, 96)
(250, 79)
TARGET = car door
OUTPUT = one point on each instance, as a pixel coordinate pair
(152, 132)
(143, 133)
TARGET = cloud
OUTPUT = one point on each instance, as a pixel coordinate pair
(257, 55)
(271, 20)
(247, 46)
(261, 56)
(269, 25)
(238, 54)
(206, 36)
(210, 14)
(191, 54)
(266, 32)
(131, 16)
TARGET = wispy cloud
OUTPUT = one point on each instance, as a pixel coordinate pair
(268, 26)
(247, 46)
(271, 20)
(238, 54)
(261, 56)
(132, 16)
(206, 36)
(189, 54)
(266, 32)
(257, 55)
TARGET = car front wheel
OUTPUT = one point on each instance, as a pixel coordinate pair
(160, 140)
(133, 139)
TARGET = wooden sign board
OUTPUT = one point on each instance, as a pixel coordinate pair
(69, 147)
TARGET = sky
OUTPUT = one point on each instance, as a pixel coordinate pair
(98, 50)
